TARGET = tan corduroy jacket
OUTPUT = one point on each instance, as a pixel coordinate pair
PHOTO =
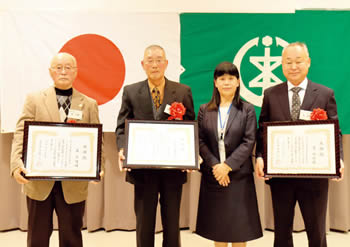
(42, 106)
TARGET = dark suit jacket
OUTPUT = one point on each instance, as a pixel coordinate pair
(276, 106)
(137, 104)
(239, 139)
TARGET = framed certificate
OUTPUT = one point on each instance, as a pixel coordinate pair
(161, 144)
(301, 149)
(62, 151)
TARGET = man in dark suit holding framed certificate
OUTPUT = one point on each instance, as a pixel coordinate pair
(284, 102)
(147, 100)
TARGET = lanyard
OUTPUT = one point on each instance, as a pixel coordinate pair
(222, 126)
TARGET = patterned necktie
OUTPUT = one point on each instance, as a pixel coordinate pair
(156, 97)
(64, 103)
(295, 103)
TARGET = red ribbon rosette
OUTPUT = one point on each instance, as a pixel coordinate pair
(318, 114)
(71, 121)
(177, 111)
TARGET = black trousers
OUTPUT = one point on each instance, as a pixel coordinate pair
(70, 220)
(312, 196)
(146, 200)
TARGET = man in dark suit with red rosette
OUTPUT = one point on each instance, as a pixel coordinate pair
(147, 100)
(279, 104)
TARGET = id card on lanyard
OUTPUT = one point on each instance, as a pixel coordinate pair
(223, 125)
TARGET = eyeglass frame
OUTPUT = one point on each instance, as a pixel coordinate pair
(66, 68)
(152, 61)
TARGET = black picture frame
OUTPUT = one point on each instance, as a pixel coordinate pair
(36, 131)
(154, 127)
(302, 124)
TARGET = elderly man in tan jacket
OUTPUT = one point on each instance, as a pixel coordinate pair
(67, 198)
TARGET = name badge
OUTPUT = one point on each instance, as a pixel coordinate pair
(75, 114)
(167, 109)
(305, 115)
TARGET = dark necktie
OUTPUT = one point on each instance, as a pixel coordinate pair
(295, 103)
(156, 97)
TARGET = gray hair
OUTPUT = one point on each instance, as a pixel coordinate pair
(155, 47)
(300, 44)
(66, 55)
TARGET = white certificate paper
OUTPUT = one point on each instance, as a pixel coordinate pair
(301, 149)
(66, 152)
(162, 144)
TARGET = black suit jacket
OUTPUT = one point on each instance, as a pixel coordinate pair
(239, 139)
(137, 104)
(275, 106)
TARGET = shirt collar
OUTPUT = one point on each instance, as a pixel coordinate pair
(160, 87)
(302, 85)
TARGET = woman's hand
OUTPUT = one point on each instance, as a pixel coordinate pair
(225, 181)
(220, 171)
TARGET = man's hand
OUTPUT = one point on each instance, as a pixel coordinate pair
(341, 170)
(120, 161)
(259, 168)
(200, 160)
(102, 173)
(220, 171)
(188, 170)
(17, 174)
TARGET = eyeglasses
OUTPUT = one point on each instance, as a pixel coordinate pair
(157, 61)
(67, 68)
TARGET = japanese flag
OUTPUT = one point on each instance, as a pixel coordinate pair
(108, 46)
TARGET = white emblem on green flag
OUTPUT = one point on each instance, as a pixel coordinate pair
(266, 64)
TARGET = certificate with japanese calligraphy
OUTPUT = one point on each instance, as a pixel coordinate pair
(302, 149)
(61, 151)
(161, 144)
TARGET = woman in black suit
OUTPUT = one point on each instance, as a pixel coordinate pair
(227, 210)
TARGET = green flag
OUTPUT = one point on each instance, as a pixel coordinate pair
(254, 43)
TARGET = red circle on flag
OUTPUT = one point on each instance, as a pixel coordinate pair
(101, 66)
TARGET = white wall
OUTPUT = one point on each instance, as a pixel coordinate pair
(177, 5)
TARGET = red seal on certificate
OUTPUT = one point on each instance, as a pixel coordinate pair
(318, 114)
(177, 111)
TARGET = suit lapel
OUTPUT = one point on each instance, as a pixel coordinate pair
(283, 101)
(309, 97)
(168, 98)
(77, 101)
(232, 115)
(144, 96)
(51, 104)
(213, 122)
(169, 92)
